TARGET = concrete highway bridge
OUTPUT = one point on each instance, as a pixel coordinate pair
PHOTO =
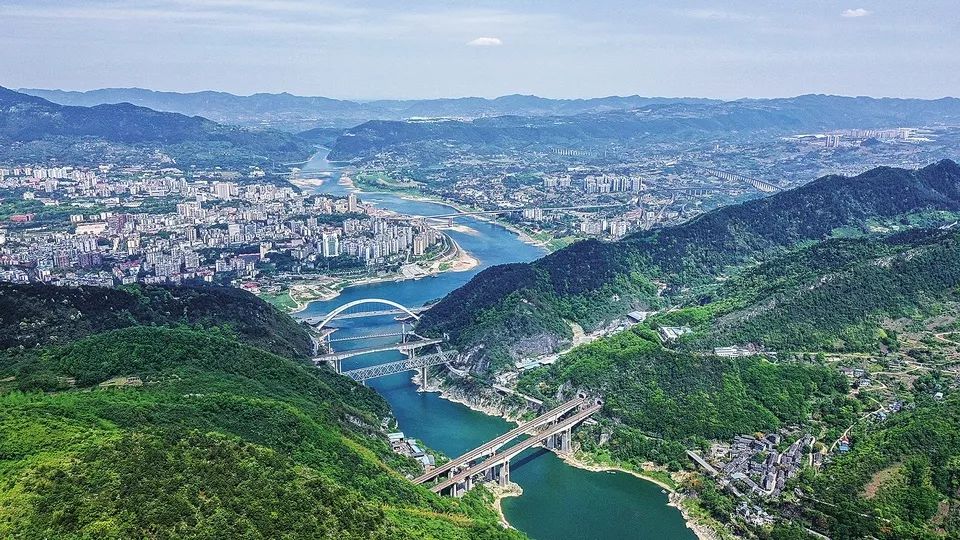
(760, 185)
(497, 467)
(550, 427)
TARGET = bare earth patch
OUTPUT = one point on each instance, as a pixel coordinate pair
(879, 479)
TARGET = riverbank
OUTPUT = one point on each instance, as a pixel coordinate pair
(500, 493)
(302, 293)
(522, 235)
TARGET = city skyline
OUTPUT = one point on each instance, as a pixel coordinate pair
(376, 50)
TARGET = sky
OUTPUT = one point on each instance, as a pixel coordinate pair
(356, 49)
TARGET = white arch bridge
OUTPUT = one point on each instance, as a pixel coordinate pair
(346, 312)
(409, 342)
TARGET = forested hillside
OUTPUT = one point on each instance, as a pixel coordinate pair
(901, 480)
(591, 281)
(677, 395)
(186, 432)
(832, 296)
(36, 315)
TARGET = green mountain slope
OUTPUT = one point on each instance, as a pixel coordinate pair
(839, 296)
(188, 433)
(32, 315)
(591, 281)
(833, 296)
(901, 480)
(677, 395)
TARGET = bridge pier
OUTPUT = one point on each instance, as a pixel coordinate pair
(504, 474)
(423, 379)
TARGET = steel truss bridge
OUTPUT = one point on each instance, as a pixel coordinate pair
(403, 346)
(420, 363)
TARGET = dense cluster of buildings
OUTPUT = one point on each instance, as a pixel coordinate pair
(105, 227)
(759, 465)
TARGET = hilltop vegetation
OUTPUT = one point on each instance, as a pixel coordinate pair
(832, 296)
(589, 282)
(901, 481)
(177, 432)
(37, 315)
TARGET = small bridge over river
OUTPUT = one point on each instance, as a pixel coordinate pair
(409, 342)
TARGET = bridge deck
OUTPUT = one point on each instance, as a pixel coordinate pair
(369, 336)
(516, 449)
(316, 319)
(402, 347)
(493, 445)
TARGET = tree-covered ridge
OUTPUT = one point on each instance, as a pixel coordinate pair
(590, 281)
(213, 438)
(37, 315)
(833, 296)
(678, 395)
(188, 432)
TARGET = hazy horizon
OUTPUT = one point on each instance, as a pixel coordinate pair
(435, 49)
(367, 100)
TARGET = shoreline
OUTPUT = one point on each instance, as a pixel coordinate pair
(460, 260)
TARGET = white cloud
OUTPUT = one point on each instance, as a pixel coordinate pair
(858, 12)
(485, 42)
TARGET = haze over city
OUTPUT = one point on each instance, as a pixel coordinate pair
(429, 49)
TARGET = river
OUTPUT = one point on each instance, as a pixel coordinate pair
(558, 501)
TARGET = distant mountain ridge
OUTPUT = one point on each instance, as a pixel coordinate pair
(28, 123)
(297, 113)
(649, 122)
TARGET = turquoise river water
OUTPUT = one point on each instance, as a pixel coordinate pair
(559, 501)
